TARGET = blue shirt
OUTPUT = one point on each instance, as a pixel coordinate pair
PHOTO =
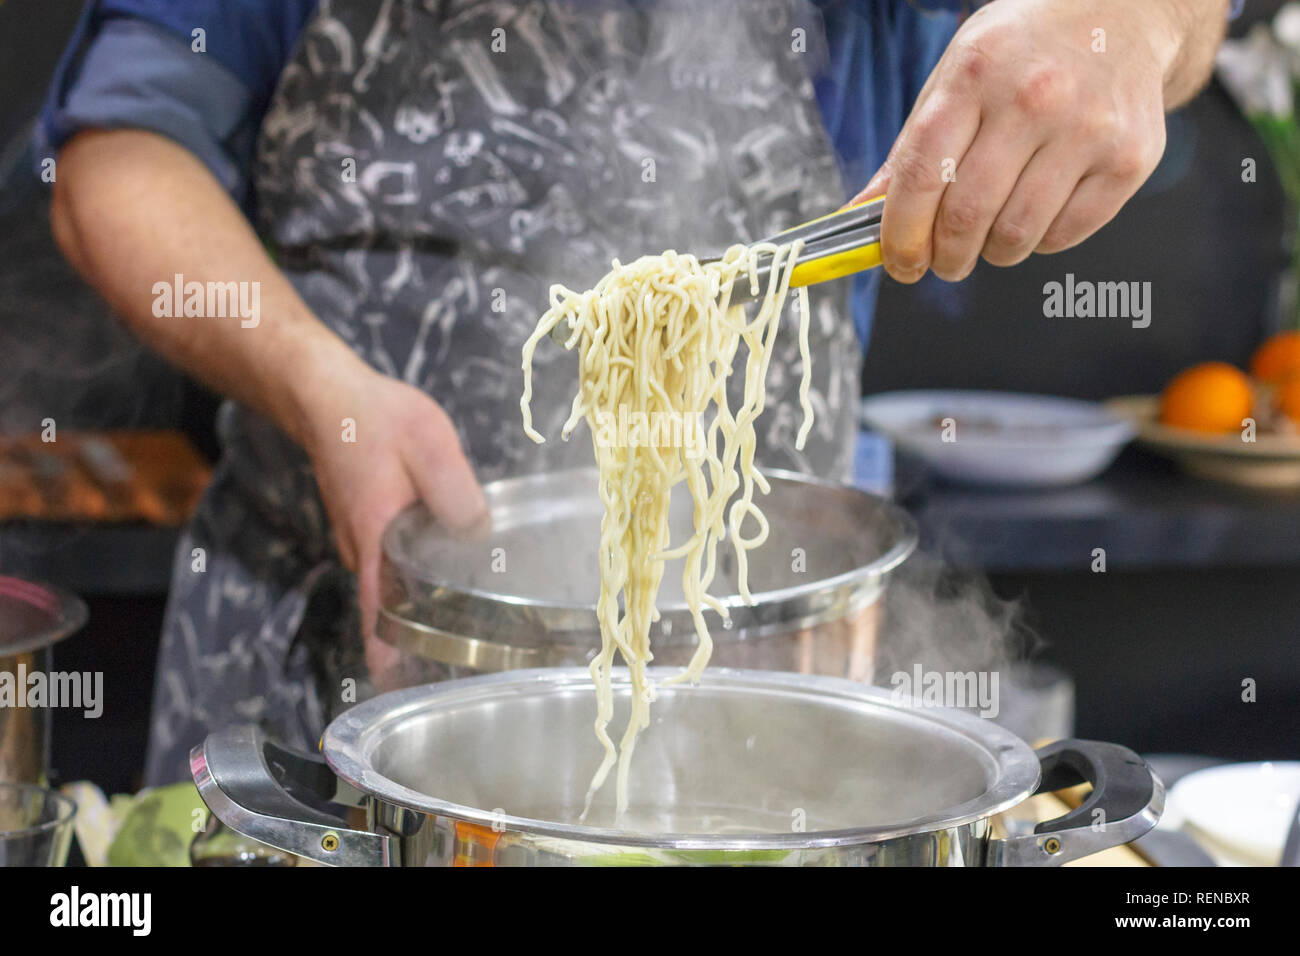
(134, 63)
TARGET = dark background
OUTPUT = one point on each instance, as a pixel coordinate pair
(1158, 651)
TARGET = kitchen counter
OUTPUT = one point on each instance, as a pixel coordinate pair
(1144, 512)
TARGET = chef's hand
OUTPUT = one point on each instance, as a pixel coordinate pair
(377, 445)
(1042, 118)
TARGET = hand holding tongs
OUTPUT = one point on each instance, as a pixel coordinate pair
(835, 245)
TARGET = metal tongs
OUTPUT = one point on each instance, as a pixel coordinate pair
(836, 245)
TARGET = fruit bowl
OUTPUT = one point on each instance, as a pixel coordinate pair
(1272, 460)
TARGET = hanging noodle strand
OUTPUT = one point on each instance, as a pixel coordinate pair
(657, 340)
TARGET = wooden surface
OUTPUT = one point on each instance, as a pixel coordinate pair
(123, 476)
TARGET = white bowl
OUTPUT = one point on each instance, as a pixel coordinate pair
(1241, 812)
(1002, 439)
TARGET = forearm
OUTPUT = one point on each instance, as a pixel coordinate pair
(132, 209)
(1194, 28)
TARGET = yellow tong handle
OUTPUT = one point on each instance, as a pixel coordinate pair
(823, 268)
(836, 266)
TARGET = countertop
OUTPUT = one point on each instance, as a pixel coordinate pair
(1143, 511)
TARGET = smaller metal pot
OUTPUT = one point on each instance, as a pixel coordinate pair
(522, 591)
(33, 618)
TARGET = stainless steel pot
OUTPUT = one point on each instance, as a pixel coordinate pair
(33, 618)
(523, 593)
(750, 767)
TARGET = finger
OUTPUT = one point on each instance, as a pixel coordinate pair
(932, 143)
(443, 476)
(383, 661)
(1042, 191)
(382, 658)
(343, 542)
(1095, 201)
(368, 586)
(980, 187)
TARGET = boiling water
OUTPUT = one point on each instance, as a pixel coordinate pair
(714, 820)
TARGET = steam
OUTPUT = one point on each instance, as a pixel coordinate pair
(65, 357)
(947, 619)
(948, 639)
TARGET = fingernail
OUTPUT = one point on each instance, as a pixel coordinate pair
(871, 192)
(875, 188)
(906, 272)
(470, 506)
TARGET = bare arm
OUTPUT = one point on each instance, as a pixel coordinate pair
(132, 209)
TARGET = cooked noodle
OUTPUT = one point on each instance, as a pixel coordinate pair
(657, 339)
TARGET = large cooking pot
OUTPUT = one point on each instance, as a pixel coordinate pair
(33, 618)
(522, 592)
(747, 767)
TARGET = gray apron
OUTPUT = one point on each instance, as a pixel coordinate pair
(426, 170)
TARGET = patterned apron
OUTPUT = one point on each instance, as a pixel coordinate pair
(426, 170)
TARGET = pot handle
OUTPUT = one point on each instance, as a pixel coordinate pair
(1126, 801)
(282, 798)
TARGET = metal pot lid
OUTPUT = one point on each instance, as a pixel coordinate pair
(737, 762)
(534, 572)
(35, 615)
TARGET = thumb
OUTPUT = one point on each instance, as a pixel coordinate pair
(368, 589)
(384, 663)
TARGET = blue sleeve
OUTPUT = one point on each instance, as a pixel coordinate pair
(880, 53)
(200, 72)
(253, 39)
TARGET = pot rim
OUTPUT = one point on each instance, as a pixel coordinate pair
(564, 617)
(350, 739)
(67, 612)
(906, 538)
(65, 810)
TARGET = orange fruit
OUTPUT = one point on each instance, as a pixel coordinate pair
(1212, 397)
(1277, 358)
(1287, 398)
